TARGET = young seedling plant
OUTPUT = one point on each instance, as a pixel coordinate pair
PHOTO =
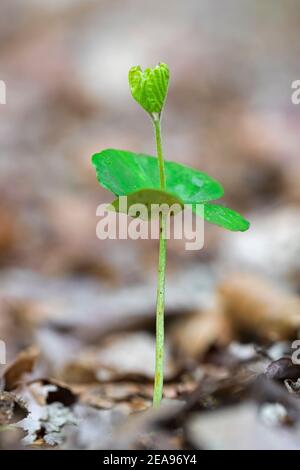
(153, 180)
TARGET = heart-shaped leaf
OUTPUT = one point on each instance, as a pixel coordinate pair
(125, 172)
(149, 87)
(224, 217)
(147, 203)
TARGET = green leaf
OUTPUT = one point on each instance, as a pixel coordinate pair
(224, 217)
(125, 172)
(149, 88)
(147, 198)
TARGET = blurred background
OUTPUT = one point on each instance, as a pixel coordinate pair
(88, 305)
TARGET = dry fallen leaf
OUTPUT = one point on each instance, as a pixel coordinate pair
(193, 336)
(256, 306)
(120, 357)
(23, 364)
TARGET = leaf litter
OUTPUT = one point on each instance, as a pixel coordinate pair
(210, 372)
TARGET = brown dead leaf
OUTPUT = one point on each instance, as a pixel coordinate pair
(132, 395)
(8, 231)
(23, 364)
(193, 336)
(77, 372)
(127, 356)
(256, 306)
(107, 395)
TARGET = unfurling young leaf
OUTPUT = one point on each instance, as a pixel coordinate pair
(149, 87)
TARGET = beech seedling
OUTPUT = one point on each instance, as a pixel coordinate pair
(147, 178)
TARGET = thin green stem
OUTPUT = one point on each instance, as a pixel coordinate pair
(160, 299)
(160, 157)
